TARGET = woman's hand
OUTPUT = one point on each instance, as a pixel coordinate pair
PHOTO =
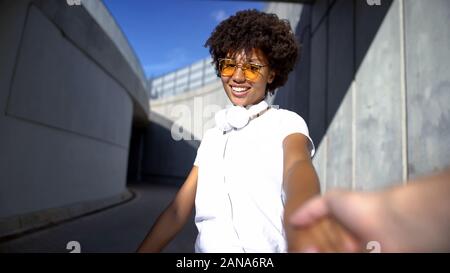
(322, 235)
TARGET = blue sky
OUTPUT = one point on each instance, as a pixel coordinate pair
(170, 34)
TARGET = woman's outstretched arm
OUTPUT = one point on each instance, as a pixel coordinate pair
(173, 218)
(301, 183)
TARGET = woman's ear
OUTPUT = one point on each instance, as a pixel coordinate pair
(271, 76)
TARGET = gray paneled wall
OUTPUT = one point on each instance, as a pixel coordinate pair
(378, 105)
(377, 82)
(427, 67)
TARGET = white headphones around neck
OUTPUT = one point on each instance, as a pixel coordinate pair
(237, 117)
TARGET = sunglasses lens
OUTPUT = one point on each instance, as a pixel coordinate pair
(251, 72)
(228, 70)
(228, 67)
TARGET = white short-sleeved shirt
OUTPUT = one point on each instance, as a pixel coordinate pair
(239, 200)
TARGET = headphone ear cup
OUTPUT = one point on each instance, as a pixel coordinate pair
(237, 116)
(221, 120)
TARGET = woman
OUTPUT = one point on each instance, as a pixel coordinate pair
(254, 168)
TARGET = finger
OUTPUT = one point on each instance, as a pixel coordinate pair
(309, 239)
(348, 242)
(351, 210)
(311, 211)
(316, 239)
(341, 204)
(325, 236)
(332, 235)
(335, 240)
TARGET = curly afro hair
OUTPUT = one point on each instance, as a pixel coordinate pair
(253, 29)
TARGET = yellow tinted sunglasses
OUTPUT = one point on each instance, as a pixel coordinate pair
(227, 67)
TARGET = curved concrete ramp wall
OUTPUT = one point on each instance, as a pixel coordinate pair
(69, 94)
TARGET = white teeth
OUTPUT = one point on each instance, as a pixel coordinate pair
(239, 89)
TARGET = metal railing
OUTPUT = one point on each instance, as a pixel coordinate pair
(184, 79)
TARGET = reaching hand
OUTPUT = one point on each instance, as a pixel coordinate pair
(346, 221)
(411, 218)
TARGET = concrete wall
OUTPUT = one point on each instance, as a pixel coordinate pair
(177, 126)
(68, 99)
(427, 68)
(373, 85)
(194, 110)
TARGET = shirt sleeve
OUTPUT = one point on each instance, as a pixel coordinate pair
(291, 123)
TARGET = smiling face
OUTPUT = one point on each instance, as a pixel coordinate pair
(242, 91)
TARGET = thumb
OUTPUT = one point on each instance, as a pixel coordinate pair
(310, 212)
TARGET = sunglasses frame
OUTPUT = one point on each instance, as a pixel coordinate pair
(240, 66)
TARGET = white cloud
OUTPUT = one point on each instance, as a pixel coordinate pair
(219, 15)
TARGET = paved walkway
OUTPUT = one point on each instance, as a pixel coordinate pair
(118, 229)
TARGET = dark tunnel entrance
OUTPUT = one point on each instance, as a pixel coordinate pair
(135, 154)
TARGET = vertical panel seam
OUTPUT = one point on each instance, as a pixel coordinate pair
(325, 163)
(403, 94)
(353, 90)
(327, 22)
(327, 55)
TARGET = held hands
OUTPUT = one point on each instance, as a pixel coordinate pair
(332, 223)
(410, 218)
(324, 235)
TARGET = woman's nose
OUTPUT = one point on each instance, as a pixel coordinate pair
(238, 75)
